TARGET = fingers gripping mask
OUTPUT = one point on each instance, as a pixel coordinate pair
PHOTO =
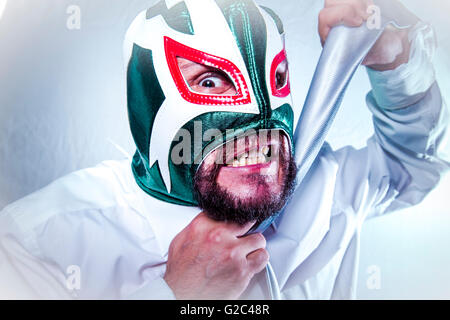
(198, 74)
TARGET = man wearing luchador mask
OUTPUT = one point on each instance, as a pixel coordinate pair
(210, 206)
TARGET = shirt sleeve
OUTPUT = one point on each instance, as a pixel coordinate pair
(405, 159)
(22, 274)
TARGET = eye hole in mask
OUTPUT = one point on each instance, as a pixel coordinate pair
(279, 76)
(205, 79)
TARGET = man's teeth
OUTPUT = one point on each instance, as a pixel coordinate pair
(252, 158)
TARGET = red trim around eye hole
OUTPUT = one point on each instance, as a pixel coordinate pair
(174, 49)
(286, 89)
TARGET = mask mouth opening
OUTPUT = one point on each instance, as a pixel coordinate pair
(252, 148)
(251, 190)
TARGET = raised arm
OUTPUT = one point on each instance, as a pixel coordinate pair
(403, 161)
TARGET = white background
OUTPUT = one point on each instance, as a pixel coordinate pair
(63, 108)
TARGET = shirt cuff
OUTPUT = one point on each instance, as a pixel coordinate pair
(156, 289)
(408, 83)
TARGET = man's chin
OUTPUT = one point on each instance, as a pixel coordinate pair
(240, 208)
(254, 193)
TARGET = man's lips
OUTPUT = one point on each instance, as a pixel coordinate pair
(257, 149)
(250, 157)
(260, 161)
(247, 169)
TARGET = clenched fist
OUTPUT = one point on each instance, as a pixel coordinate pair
(392, 48)
(209, 260)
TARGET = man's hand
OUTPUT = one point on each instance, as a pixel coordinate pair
(208, 260)
(390, 51)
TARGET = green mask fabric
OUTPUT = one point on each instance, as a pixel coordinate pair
(242, 40)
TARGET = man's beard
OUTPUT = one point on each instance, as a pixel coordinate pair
(221, 205)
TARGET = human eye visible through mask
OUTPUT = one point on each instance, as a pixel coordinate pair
(204, 79)
(281, 75)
